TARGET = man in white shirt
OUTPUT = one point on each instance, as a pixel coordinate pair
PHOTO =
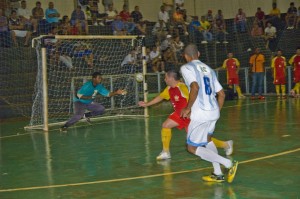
(203, 109)
(26, 16)
(270, 36)
(163, 17)
(129, 59)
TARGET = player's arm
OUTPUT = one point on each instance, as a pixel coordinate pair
(221, 98)
(194, 89)
(117, 92)
(156, 100)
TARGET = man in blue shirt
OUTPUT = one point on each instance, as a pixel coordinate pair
(52, 15)
(84, 99)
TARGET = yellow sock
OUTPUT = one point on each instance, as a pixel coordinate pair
(166, 135)
(277, 88)
(219, 143)
(238, 90)
(297, 88)
(283, 90)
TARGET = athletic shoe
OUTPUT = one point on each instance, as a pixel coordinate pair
(232, 171)
(213, 178)
(204, 42)
(63, 129)
(252, 98)
(225, 42)
(229, 150)
(284, 97)
(242, 97)
(261, 97)
(87, 119)
(163, 156)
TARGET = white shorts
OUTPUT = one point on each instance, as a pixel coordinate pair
(198, 132)
(20, 33)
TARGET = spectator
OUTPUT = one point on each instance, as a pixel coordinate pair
(125, 14)
(92, 12)
(260, 17)
(136, 15)
(38, 12)
(52, 15)
(129, 61)
(205, 29)
(166, 43)
(66, 26)
(111, 15)
(26, 17)
(4, 32)
(291, 16)
(256, 30)
(17, 28)
(178, 21)
(106, 4)
(10, 7)
(159, 32)
(220, 16)
(220, 32)
(180, 4)
(177, 47)
(209, 17)
(274, 16)
(194, 29)
(78, 20)
(240, 21)
(270, 36)
(163, 17)
(82, 50)
(118, 26)
(156, 60)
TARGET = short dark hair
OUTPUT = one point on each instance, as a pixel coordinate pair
(95, 74)
(175, 74)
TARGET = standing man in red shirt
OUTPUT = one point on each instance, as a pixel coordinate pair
(177, 93)
(278, 68)
(232, 66)
(295, 62)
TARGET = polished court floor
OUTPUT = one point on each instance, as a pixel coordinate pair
(116, 158)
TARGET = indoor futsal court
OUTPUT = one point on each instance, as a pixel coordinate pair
(117, 158)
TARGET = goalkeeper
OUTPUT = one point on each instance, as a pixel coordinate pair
(84, 99)
(177, 93)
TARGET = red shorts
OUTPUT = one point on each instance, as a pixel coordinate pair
(296, 76)
(279, 80)
(232, 81)
(182, 122)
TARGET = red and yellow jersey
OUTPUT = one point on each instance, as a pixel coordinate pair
(178, 96)
(279, 66)
(232, 66)
(295, 62)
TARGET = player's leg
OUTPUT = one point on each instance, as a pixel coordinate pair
(95, 109)
(79, 109)
(166, 136)
(226, 145)
(283, 91)
(277, 88)
(199, 145)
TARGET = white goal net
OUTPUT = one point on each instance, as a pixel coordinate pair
(70, 61)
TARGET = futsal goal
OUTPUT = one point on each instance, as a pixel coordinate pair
(66, 62)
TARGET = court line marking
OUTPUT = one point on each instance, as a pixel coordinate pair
(140, 177)
(41, 132)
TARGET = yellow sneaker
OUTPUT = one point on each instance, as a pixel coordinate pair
(213, 178)
(232, 171)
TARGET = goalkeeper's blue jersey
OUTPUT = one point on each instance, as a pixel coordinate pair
(88, 89)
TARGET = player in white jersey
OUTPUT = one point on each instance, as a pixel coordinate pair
(204, 110)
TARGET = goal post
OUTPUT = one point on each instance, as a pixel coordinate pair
(65, 62)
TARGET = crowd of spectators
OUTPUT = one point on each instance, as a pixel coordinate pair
(173, 28)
